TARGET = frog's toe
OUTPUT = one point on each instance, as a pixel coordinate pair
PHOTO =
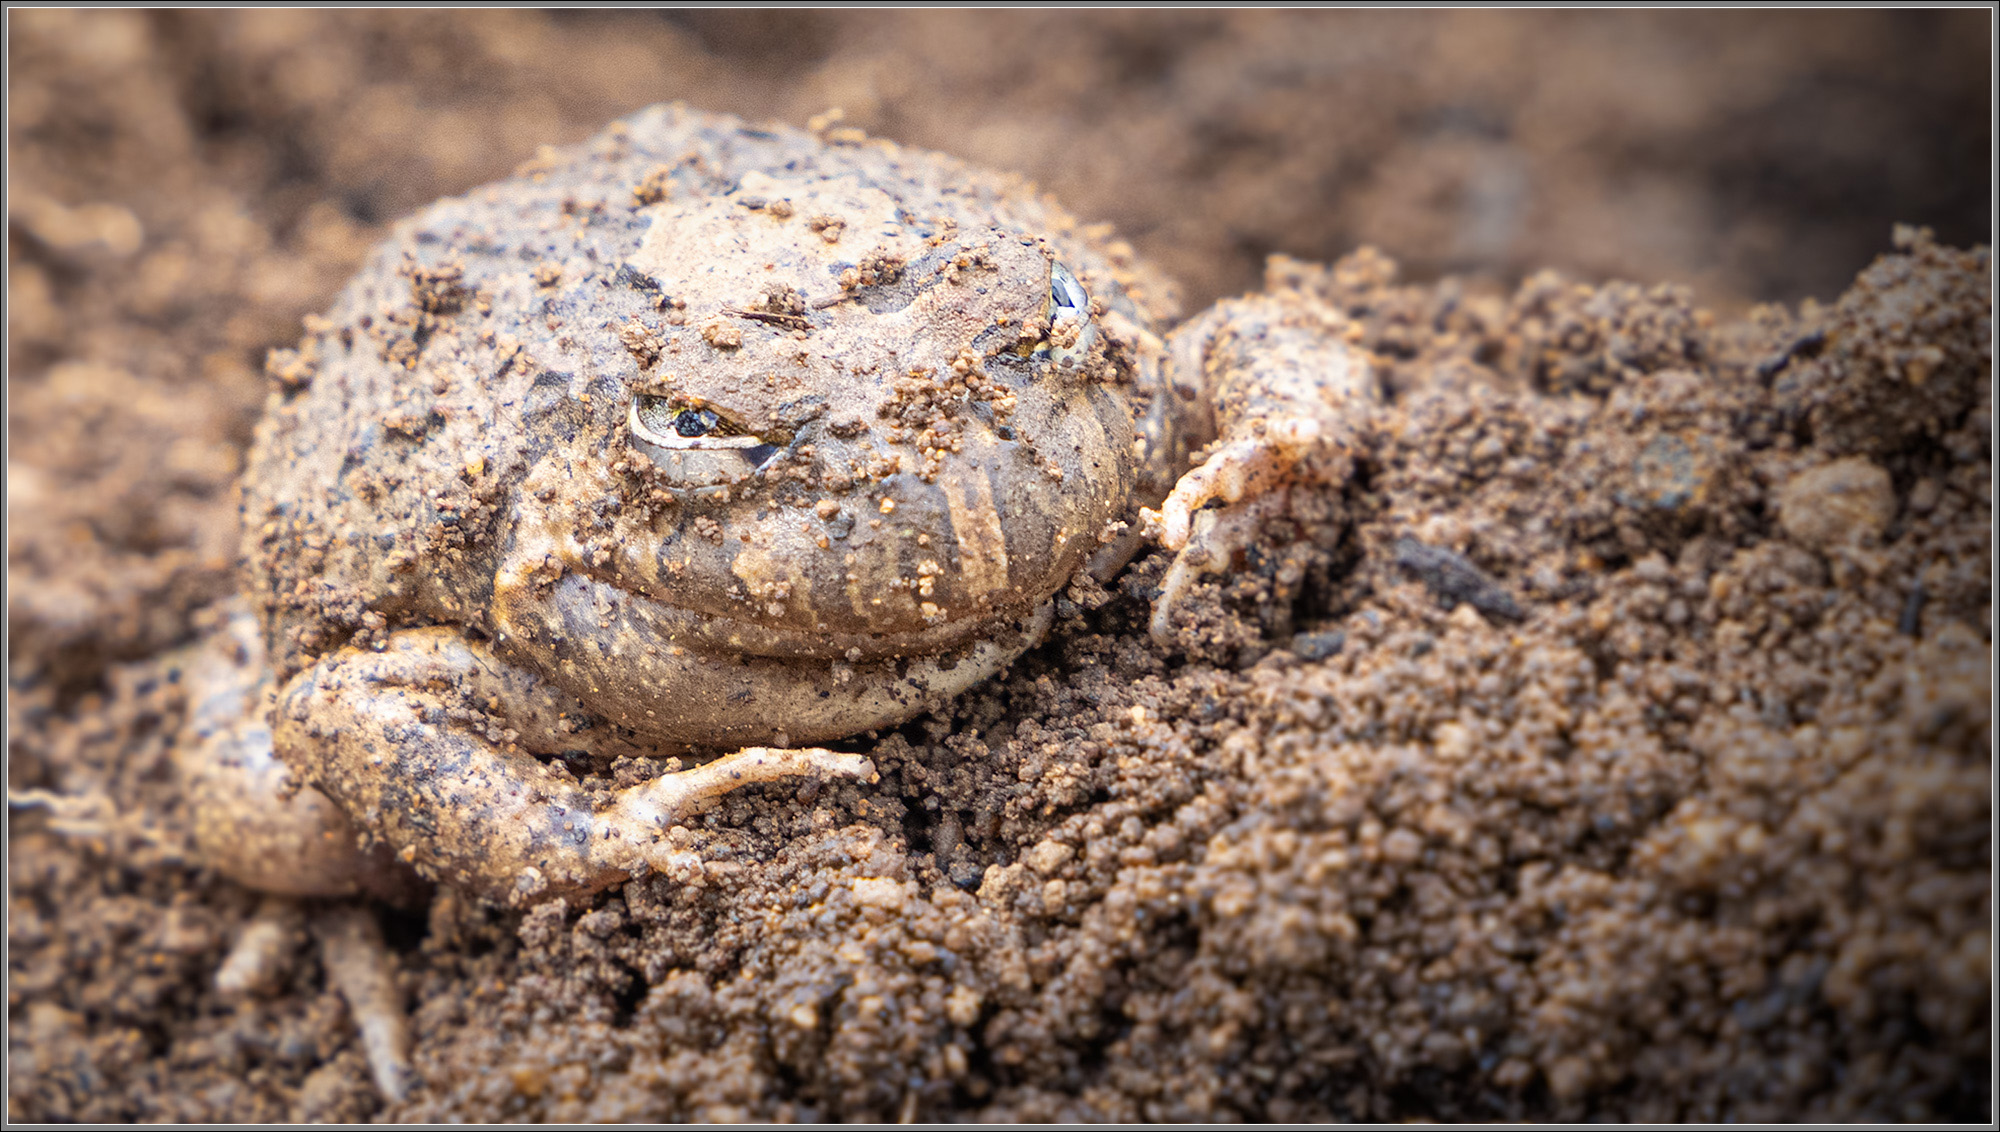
(1247, 468)
(630, 832)
(1212, 538)
(1215, 510)
(672, 798)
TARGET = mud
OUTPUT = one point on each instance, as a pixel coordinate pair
(1614, 744)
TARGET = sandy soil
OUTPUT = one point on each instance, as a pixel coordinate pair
(1616, 744)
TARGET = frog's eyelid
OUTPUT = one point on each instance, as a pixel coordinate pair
(671, 439)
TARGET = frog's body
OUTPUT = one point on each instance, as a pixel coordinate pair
(694, 436)
(699, 435)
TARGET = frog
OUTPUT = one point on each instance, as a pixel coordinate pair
(703, 436)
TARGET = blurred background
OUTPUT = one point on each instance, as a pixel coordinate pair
(185, 186)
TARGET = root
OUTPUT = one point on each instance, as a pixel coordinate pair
(262, 954)
(358, 963)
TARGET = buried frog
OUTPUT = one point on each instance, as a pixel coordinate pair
(700, 437)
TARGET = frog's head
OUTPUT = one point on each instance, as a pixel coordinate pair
(853, 429)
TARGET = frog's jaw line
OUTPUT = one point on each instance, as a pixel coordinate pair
(614, 658)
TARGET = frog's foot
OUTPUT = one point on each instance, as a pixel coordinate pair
(1291, 394)
(401, 739)
(1216, 536)
(633, 831)
(1242, 469)
(90, 817)
(631, 835)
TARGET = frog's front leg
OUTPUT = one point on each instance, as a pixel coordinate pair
(427, 744)
(1289, 394)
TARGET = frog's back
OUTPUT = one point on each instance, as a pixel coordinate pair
(487, 330)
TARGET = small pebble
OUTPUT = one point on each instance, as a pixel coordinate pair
(1837, 504)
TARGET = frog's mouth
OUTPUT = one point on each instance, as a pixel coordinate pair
(621, 658)
(695, 445)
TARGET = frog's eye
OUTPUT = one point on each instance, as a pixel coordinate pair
(694, 444)
(690, 423)
(1071, 330)
(1067, 295)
